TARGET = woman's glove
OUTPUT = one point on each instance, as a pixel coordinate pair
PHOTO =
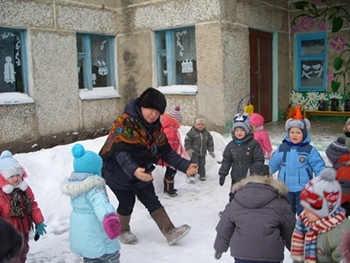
(217, 255)
(39, 230)
(222, 180)
(190, 152)
(111, 225)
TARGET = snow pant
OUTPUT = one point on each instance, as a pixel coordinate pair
(170, 173)
(127, 199)
(200, 161)
(24, 251)
(294, 198)
(169, 181)
(106, 258)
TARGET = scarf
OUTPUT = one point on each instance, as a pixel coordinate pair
(128, 130)
(305, 235)
(20, 203)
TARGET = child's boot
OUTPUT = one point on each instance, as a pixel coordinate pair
(169, 187)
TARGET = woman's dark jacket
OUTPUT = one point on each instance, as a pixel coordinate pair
(239, 155)
(258, 222)
(133, 143)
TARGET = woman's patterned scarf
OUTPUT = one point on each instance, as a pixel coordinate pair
(129, 130)
(18, 198)
(305, 235)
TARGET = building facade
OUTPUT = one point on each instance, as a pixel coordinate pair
(70, 66)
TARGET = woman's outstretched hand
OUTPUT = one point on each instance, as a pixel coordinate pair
(192, 169)
(140, 173)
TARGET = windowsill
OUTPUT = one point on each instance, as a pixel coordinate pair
(15, 98)
(179, 89)
(98, 93)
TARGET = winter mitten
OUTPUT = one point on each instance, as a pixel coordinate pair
(39, 230)
(190, 153)
(111, 225)
(217, 255)
(222, 180)
(212, 154)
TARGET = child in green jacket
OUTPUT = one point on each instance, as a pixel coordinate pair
(320, 226)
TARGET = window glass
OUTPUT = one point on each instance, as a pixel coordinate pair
(95, 61)
(176, 50)
(12, 78)
(310, 62)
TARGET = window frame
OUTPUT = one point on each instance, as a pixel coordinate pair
(299, 58)
(23, 56)
(169, 53)
(87, 60)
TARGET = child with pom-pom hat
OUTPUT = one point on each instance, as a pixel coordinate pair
(17, 202)
(339, 157)
(94, 224)
(322, 223)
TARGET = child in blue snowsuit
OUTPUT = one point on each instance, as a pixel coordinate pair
(94, 224)
(296, 160)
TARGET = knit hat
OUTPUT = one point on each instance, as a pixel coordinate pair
(199, 119)
(86, 161)
(9, 166)
(259, 169)
(303, 124)
(256, 120)
(152, 98)
(336, 149)
(241, 121)
(176, 114)
(322, 195)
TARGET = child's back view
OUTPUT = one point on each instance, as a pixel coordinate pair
(258, 222)
(257, 122)
(296, 160)
(339, 157)
(94, 224)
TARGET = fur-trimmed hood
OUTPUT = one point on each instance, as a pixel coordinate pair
(281, 188)
(256, 191)
(80, 183)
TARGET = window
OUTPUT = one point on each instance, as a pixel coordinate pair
(176, 57)
(13, 77)
(311, 62)
(95, 61)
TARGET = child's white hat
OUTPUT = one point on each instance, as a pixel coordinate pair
(322, 195)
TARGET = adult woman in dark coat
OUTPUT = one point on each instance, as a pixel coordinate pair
(134, 144)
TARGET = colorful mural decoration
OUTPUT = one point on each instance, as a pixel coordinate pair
(316, 16)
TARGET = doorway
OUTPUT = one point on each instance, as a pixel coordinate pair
(260, 44)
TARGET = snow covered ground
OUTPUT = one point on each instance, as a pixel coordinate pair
(196, 204)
